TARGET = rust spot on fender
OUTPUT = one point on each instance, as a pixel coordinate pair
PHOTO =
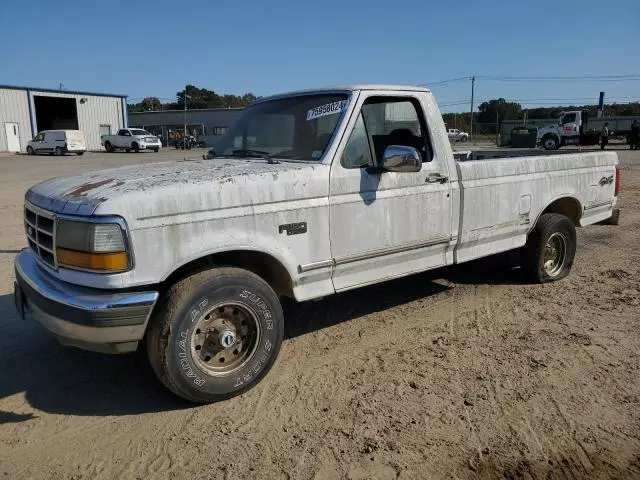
(85, 188)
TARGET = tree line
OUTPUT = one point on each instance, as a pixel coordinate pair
(499, 109)
(197, 98)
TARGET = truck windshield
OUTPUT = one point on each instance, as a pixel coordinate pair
(139, 132)
(291, 128)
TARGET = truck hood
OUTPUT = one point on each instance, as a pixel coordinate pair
(172, 188)
(547, 129)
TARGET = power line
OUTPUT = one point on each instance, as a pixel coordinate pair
(533, 100)
(445, 82)
(584, 78)
(499, 78)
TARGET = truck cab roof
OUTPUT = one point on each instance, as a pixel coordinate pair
(347, 89)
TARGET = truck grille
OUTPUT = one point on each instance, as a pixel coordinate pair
(40, 227)
(150, 139)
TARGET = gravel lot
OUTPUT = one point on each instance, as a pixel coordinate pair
(459, 373)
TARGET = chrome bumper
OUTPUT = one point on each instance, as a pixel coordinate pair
(89, 318)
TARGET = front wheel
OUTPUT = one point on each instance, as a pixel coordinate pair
(30, 150)
(135, 147)
(550, 142)
(550, 249)
(216, 334)
(155, 150)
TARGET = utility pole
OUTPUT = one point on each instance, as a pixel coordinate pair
(184, 138)
(473, 84)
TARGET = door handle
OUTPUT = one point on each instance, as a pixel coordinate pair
(436, 178)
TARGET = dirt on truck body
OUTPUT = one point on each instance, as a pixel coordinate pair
(464, 373)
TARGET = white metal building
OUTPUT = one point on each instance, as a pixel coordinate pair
(25, 111)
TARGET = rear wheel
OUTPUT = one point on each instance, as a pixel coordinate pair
(30, 150)
(108, 147)
(79, 153)
(59, 151)
(216, 334)
(550, 249)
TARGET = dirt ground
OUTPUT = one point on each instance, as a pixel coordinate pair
(459, 373)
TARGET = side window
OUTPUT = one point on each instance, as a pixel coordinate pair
(385, 121)
(39, 137)
(569, 118)
(396, 121)
(357, 152)
(120, 133)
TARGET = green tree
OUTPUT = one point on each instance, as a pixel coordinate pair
(498, 108)
(147, 104)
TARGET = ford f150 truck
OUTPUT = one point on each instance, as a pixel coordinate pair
(311, 193)
(129, 139)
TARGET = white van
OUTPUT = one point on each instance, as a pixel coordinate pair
(58, 142)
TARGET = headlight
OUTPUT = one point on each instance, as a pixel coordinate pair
(91, 246)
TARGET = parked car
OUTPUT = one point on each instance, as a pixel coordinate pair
(57, 142)
(192, 257)
(456, 135)
(129, 139)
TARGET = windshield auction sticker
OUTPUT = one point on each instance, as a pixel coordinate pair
(328, 109)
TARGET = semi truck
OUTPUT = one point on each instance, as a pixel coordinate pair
(576, 128)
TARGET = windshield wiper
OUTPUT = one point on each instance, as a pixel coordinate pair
(243, 152)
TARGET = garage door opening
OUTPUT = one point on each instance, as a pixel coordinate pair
(53, 113)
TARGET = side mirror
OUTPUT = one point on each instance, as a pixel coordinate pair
(399, 158)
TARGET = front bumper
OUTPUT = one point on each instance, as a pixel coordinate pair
(88, 318)
(150, 146)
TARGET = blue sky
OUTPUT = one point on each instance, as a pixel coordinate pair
(153, 48)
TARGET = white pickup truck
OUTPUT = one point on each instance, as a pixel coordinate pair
(311, 193)
(456, 135)
(129, 139)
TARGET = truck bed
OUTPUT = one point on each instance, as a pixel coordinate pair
(466, 155)
(502, 198)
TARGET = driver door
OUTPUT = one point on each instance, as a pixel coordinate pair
(389, 224)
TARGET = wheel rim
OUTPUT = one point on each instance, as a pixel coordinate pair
(555, 254)
(224, 339)
(550, 143)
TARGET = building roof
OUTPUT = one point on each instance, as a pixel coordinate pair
(219, 109)
(54, 90)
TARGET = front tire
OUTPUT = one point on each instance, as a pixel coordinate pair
(135, 147)
(155, 150)
(30, 150)
(550, 249)
(216, 334)
(550, 142)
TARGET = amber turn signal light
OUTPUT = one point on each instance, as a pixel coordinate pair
(114, 262)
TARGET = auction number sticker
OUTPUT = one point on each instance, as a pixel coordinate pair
(328, 109)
